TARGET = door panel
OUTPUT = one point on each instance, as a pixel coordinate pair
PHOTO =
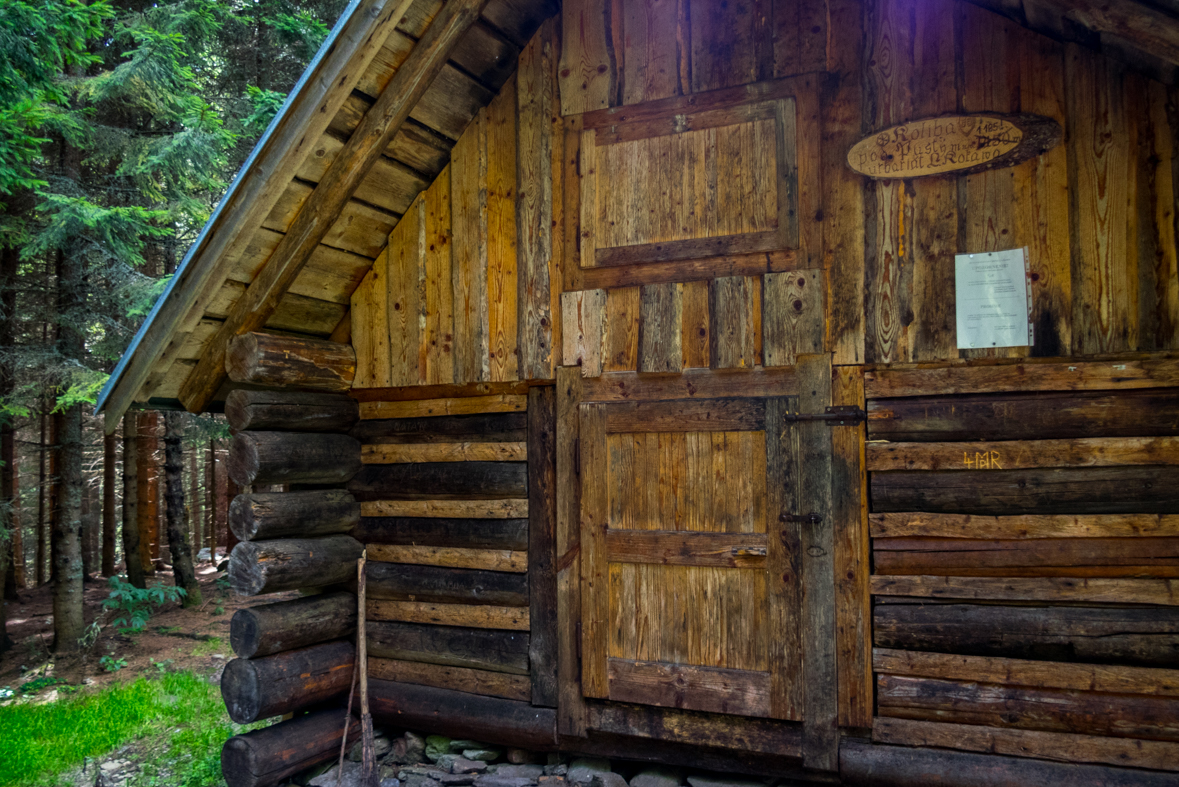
(689, 601)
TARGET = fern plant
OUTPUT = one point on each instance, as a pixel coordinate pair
(136, 605)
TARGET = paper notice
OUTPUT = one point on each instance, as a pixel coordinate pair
(993, 299)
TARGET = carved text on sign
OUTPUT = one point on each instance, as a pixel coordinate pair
(959, 144)
(982, 460)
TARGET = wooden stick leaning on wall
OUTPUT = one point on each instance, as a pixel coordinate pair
(368, 772)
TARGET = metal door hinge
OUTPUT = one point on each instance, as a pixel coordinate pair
(802, 519)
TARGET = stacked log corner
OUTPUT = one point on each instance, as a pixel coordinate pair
(294, 655)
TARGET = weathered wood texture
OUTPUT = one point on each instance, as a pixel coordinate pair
(270, 755)
(1096, 213)
(477, 648)
(256, 689)
(403, 582)
(463, 715)
(292, 514)
(466, 288)
(894, 766)
(441, 481)
(651, 50)
(299, 412)
(273, 628)
(257, 567)
(268, 458)
(287, 362)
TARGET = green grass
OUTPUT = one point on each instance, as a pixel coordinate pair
(181, 712)
(209, 647)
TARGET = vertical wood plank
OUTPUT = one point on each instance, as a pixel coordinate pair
(501, 235)
(1158, 276)
(583, 328)
(793, 317)
(853, 640)
(571, 184)
(726, 40)
(542, 545)
(652, 53)
(935, 203)
(990, 83)
(695, 325)
(622, 330)
(587, 74)
(439, 300)
(844, 243)
(1105, 274)
(595, 511)
(661, 328)
(570, 703)
(1042, 199)
(468, 195)
(534, 203)
(783, 560)
(404, 297)
(588, 199)
(732, 307)
(820, 743)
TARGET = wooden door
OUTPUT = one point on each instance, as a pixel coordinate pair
(695, 519)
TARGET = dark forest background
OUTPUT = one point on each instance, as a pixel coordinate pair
(121, 125)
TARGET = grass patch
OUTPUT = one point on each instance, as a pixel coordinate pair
(180, 711)
(209, 647)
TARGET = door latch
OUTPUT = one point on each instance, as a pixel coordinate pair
(836, 415)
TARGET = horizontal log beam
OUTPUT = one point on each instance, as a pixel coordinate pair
(461, 715)
(400, 582)
(696, 728)
(268, 756)
(500, 427)
(292, 458)
(257, 567)
(424, 408)
(442, 481)
(289, 362)
(467, 451)
(451, 557)
(922, 524)
(1031, 557)
(510, 534)
(290, 411)
(255, 689)
(471, 681)
(477, 648)
(468, 615)
(870, 765)
(1058, 746)
(1093, 490)
(447, 509)
(266, 515)
(273, 628)
(1024, 454)
(1101, 590)
(1144, 637)
(1025, 416)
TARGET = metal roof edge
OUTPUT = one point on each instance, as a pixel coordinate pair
(324, 48)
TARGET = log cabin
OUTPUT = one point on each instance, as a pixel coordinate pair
(637, 343)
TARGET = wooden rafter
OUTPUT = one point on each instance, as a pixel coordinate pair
(323, 208)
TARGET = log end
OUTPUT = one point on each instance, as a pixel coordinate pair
(245, 633)
(245, 572)
(241, 692)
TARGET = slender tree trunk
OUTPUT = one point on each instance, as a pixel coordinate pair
(194, 501)
(109, 526)
(211, 500)
(86, 531)
(132, 551)
(9, 522)
(232, 490)
(53, 490)
(148, 505)
(18, 540)
(178, 540)
(42, 499)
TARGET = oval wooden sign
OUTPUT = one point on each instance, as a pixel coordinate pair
(958, 144)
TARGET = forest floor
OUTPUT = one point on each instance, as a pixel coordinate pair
(150, 700)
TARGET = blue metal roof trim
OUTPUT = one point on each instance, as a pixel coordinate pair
(328, 43)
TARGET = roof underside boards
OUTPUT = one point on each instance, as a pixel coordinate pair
(1142, 33)
(317, 303)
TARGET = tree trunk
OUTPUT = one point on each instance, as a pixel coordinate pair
(11, 558)
(148, 501)
(42, 499)
(132, 555)
(211, 500)
(68, 623)
(194, 502)
(85, 531)
(178, 539)
(108, 506)
(53, 490)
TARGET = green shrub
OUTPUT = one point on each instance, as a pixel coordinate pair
(136, 605)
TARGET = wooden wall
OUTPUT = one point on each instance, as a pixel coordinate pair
(1097, 213)
(459, 564)
(461, 293)
(1025, 546)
